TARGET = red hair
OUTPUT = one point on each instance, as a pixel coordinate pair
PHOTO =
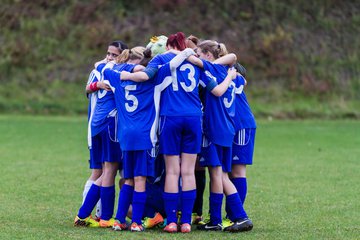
(177, 41)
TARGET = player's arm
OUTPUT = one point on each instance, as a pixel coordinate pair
(136, 76)
(92, 87)
(180, 58)
(150, 71)
(93, 77)
(95, 86)
(196, 61)
(228, 59)
(138, 68)
(144, 75)
(104, 85)
(220, 89)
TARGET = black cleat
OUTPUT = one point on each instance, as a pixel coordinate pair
(210, 227)
(241, 225)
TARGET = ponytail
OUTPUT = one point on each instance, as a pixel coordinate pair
(177, 41)
(123, 57)
(215, 48)
(222, 50)
(131, 54)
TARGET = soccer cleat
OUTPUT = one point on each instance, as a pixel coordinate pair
(86, 222)
(171, 228)
(118, 226)
(210, 227)
(152, 222)
(96, 218)
(185, 228)
(107, 223)
(136, 227)
(241, 225)
(163, 225)
(206, 219)
(196, 219)
(226, 222)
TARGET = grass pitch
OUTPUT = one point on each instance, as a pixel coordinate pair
(304, 183)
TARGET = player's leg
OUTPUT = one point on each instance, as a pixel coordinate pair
(190, 147)
(170, 139)
(144, 166)
(126, 192)
(210, 157)
(112, 157)
(188, 193)
(243, 151)
(235, 209)
(171, 189)
(95, 163)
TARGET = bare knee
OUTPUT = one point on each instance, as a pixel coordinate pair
(238, 171)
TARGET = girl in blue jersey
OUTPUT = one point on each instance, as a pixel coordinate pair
(137, 132)
(244, 140)
(95, 161)
(218, 136)
(103, 143)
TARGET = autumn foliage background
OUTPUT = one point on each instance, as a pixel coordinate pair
(302, 57)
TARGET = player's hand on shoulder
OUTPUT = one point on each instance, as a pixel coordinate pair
(103, 85)
(124, 75)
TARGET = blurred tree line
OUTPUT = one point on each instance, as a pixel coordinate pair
(292, 49)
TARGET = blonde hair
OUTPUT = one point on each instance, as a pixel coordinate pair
(217, 49)
(131, 54)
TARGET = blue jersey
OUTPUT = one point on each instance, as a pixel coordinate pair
(182, 97)
(93, 77)
(138, 107)
(160, 60)
(105, 107)
(219, 111)
(244, 118)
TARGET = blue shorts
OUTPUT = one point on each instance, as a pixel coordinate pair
(180, 135)
(138, 163)
(105, 144)
(243, 146)
(213, 155)
(95, 160)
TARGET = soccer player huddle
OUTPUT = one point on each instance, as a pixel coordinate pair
(159, 115)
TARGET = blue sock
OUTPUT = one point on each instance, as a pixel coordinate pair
(237, 210)
(228, 210)
(170, 204)
(215, 200)
(107, 196)
(187, 197)
(91, 199)
(125, 198)
(138, 205)
(241, 187)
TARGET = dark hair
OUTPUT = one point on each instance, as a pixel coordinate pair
(119, 45)
(147, 57)
(240, 69)
(177, 41)
(194, 39)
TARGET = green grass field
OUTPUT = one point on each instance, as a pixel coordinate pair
(304, 183)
